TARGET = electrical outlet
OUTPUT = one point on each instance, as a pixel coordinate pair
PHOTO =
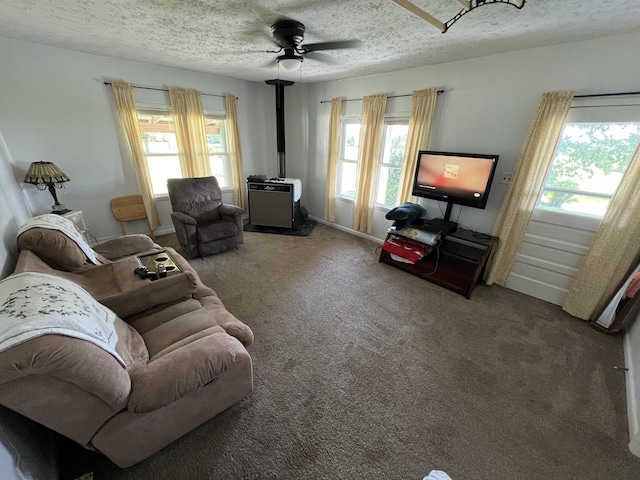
(506, 178)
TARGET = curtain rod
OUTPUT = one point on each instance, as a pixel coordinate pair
(442, 91)
(166, 90)
(606, 95)
(604, 106)
(390, 96)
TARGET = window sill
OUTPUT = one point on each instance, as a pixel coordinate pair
(345, 199)
(378, 207)
(569, 219)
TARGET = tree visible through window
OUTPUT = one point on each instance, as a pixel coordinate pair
(389, 163)
(395, 140)
(588, 165)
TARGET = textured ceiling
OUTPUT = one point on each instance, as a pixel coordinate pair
(231, 38)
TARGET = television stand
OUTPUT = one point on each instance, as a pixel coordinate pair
(444, 225)
(441, 225)
(457, 263)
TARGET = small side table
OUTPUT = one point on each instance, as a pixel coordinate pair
(77, 217)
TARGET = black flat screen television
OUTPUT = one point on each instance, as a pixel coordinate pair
(456, 178)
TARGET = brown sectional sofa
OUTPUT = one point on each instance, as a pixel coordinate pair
(184, 352)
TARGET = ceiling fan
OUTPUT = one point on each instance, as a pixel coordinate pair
(288, 36)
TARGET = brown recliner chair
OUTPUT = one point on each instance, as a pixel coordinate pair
(204, 225)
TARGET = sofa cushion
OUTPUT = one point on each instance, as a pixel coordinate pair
(216, 231)
(55, 248)
(132, 244)
(130, 346)
(182, 371)
(182, 320)
(207, 215)
(146, 321)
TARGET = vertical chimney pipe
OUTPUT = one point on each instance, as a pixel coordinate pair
(279, 86)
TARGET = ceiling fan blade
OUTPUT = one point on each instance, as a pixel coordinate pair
(322, 57)
(312, 47)
(271, 41)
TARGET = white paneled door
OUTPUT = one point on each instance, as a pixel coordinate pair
(553, 248)
(597, 143)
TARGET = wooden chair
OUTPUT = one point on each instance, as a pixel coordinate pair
(128, 209)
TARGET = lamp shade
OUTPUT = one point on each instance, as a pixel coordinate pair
(45, 173)
(290, 63)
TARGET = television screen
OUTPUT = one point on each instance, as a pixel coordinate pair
(460, 178)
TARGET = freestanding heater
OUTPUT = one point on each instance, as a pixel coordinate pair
(276, 202)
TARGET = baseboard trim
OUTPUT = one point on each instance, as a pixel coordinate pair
(345, 229)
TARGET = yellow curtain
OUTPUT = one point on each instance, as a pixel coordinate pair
(188, 117)
(614, 249)
(123, 93)
(235, 151)
(423, 104)
(531, 169)
(332, 163)
(371, 134)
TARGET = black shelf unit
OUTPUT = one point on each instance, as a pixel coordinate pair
(457, 263)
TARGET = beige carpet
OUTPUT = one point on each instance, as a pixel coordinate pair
(363, 371)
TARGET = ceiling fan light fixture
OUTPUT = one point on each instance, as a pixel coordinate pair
(290, 62)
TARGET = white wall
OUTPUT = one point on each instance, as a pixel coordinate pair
(55, 107)
(487, 107)
(26, 449)
(13, 211)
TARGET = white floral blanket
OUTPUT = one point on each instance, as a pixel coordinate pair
(34, 304)
(64, 225)
(422, 236)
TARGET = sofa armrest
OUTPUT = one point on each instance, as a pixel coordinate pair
(70, 360)
(124, 246)
(184, 218)
(233, 213)
(230, 211)
(226, 319)
(182, 371)
(186, 231)
(66, 384)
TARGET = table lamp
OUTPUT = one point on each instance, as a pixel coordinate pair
(46, 175)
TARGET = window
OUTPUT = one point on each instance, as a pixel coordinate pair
(349, 160)
(389, 163)
(588, 165)
(390, 166)
(215, 128)
(161, 148)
